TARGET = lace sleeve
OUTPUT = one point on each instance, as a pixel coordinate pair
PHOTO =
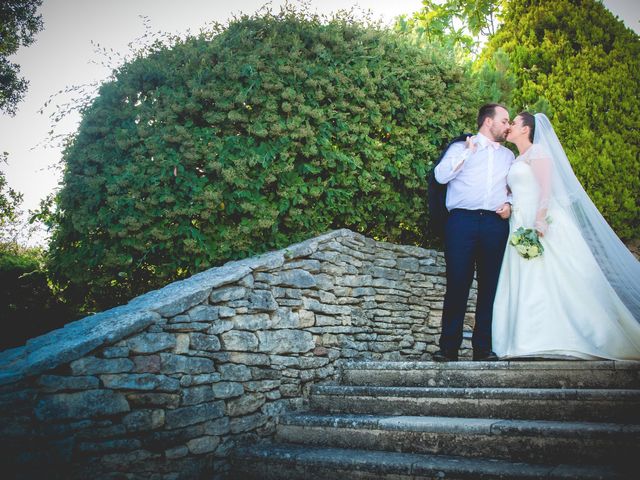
(540, 162)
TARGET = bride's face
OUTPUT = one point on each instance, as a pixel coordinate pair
(516, 129)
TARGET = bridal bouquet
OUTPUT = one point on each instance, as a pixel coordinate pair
(526, 242)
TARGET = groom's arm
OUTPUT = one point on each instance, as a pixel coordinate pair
(452, 162)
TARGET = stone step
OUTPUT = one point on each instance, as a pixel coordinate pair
(514, 440)
(295, 462)
(529, 403)
(533, 374)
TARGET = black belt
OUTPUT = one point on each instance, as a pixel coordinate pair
(476, 212)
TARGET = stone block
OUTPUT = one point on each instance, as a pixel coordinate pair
(176, 452)
(182, 417)
(275, 409)
(182, 343)
(168, 400)
(186, 327)
(247, 281)
(117, 461)
(327, 309)
(258, 321)
(56, 383)
(203, 313)
(94, 365)
(90, 403)
(408, 264)
(195, 395)
(146, 363)
(261, 385)
(266, 373)
(296, 278)
(235, 340)
(221, 326)
(273, 395)
(324, 321)
(309, 265)
(247, 423)
(285, 318)
(313, 362)
(115, 352)
(262, 300)
(247, 403)
(226, 294)
(120, 444)
(219, 426)
(289, 302)
(249, 358)
(205, 378)
(141, 381)
(290, 390)
(226, 312)
(285, 341)
(233, 372)
(201, 341)
(227, 389)
(141, 420)
(201, 445)
(172, 363)
(151, 342)
(306, 318)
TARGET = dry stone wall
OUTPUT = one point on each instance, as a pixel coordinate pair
(165, 386)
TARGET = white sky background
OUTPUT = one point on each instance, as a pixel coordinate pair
(63, 55)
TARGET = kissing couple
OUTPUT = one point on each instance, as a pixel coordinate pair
(576, 295)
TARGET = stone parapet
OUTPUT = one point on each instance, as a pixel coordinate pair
(165, 386)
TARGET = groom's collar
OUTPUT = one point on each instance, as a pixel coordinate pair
(484, 142)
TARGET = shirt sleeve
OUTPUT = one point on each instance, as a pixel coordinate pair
(452, 163)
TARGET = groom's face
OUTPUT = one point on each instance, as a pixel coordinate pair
(499, 125)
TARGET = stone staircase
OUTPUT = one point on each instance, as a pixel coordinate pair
(463, 420)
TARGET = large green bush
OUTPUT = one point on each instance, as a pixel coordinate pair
(575, 60)
(275, 129)
(28, 306)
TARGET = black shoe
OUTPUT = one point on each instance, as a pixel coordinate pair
(442, 356)
(485, 357)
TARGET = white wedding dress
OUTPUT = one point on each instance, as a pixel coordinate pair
(560, 304)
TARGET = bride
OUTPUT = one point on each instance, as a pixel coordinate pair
(580, 299)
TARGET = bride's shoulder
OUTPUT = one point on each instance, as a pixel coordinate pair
(537, 151)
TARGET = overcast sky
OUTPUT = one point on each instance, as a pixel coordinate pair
(63, 55)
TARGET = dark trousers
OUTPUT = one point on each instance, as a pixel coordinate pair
(474, 239)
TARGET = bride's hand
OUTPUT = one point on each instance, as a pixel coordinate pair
(541, 227)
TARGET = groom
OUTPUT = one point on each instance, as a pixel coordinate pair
(477, 229)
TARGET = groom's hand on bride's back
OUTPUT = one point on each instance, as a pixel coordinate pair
(470, 144)
(504, 211)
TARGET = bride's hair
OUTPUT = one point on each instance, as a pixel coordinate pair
(528, 120)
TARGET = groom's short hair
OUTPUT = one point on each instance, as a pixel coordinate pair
(488, 111)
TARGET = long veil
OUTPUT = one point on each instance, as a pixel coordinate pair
(617, 263)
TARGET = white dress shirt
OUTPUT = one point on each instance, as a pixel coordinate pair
(477, 181)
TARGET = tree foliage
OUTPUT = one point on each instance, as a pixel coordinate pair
(272, 130)
(28, 305)
(19, 23)
(461, 25)
(574, 60)
(10, 201)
